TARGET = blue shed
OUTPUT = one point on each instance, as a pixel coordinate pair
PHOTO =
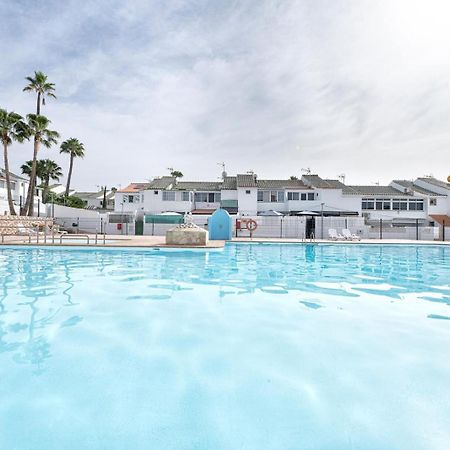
(220, 225)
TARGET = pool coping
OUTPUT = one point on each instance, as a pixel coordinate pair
(157, 242)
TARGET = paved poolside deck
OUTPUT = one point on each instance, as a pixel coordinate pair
(159, 241)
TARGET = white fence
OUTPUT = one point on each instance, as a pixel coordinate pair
(298, 227)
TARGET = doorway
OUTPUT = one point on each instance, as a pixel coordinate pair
(310, 228)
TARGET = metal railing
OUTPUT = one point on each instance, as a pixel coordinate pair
(74, 236)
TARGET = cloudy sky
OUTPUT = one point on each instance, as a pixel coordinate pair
(359, 87)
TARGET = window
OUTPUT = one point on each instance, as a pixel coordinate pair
(379, 204)
(247, 191)
(368, 203)
(271, 196)
(415, 204)
(310, 195)
(2, 183)
(185, 197)
(201, 197)
(13, 185)
(168, 196)
(293, 196)
(131, 199)
(433, 201)
(155, 192)
(387, 204)
(400, 204)
(142, 198)
(303, 196)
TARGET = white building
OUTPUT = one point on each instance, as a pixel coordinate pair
(401, 202)
(94, 200)
(19, 190)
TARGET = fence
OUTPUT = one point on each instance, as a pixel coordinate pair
(294, 227)
(82, 224)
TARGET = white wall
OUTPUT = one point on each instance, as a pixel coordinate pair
(65, 211)
(154, 204)
(247, 203)
(442, 206)
(229, 194)
(121, 206)
(20, 190)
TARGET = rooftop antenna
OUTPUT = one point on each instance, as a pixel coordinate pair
(376, 183)
(306, 171)
(430, 175)
(251, 172)
(224, 172)
(341, 178)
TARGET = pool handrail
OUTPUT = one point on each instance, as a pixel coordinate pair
(72, 236)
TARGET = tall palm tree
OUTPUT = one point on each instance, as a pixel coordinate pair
(42, 87)
(38, 128)
(12, 128)
(75, 149)
(46, 170)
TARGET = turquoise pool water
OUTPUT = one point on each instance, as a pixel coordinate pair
(253, 347)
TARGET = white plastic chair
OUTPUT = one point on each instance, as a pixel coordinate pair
(334, 236)
(350, 236)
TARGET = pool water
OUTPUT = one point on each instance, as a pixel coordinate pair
(253, 347)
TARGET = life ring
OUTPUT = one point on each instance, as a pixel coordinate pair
(251, 225)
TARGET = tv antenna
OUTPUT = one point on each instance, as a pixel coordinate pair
(341, 178)
(224, 172)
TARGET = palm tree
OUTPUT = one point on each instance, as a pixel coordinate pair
(176, 173)
(46, 170)
(42, 87)
(50, 171)
(38, 128)
(12, 128)
(26, 168)
(75, 149)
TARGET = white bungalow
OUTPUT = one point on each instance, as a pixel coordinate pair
(19, 190)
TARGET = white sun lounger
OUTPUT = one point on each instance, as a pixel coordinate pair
(334, 236)
(350, 236)
(25, 231)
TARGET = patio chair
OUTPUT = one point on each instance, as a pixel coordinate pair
(334, 236)
(349, 236)
(25, 231)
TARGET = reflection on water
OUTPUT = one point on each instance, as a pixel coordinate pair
(257, 346)
(38, 285)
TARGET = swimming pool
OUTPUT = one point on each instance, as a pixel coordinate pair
(253, 347)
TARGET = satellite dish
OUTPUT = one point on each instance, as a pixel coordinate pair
(448, 178)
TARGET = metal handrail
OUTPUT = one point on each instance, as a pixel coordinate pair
(72, 236)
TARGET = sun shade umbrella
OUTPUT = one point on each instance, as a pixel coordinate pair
(307, 213)
(270, 212)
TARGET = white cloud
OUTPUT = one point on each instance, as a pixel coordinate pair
(356, 86)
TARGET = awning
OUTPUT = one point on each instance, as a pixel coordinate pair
(441, 218)
(203, 211)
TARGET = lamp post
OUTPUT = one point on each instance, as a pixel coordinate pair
(121, 219)
(321, 220)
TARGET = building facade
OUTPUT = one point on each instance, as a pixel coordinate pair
(19, 191)
(402, 201)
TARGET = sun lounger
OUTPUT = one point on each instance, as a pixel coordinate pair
(25, 231)
(350, 236)
(334, 236)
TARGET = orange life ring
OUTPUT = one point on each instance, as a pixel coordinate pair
(251, 225)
